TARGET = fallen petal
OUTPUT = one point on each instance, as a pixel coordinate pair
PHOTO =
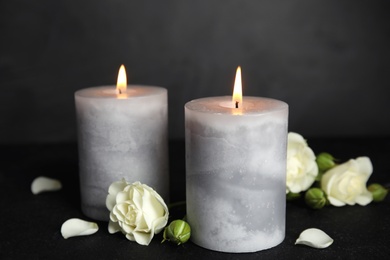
(113, 227)
(314, 237)
(77, 227)
(42, 184)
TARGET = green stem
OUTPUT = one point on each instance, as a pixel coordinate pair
(176, 204)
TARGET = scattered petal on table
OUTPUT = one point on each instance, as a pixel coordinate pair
(77, 227)
(42, 184)
(314, 237)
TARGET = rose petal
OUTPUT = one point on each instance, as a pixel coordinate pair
(78, 227)
(365, 166)
(295, 137)
(159, 224)
(136, 195)
(126, 228)
(327, 181)
(142, 225)
(130, 236)
(143, 238)
(335, 202)
(364, 199)
(121, 196)
(110, 202)
(314, 237)
(295, 188)
(42, 184)
(116, 187)
(151, 205)
(113, 227)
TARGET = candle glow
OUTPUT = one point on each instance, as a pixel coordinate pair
(121, 84)
(237, 91)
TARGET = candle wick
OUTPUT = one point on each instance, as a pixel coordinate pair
(120, 91)
(236, 104)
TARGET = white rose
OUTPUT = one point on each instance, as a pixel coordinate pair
(302, 168)
(136, 210)
(346, 183)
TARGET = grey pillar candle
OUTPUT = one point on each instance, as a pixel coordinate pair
(121, 136)
(236, 173)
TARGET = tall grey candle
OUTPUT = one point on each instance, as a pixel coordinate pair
(236, 172)
(121, 136)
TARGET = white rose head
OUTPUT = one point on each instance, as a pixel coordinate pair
(136, 210)
(346, 183)
(302, 168)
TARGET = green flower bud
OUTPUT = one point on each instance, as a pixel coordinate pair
(178, 232)
(378, 192)
(315, 198)
(325, 161)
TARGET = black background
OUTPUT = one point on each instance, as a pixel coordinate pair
(329, 60)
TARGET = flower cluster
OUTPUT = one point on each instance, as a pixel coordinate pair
(139, 212)
(338, 184)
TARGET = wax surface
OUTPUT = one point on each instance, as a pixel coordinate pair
(121, 138)
(236, 173)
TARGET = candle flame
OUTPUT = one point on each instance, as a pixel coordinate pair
(237, 91)
(121, 84)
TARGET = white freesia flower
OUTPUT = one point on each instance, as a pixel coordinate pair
(346, 183)
(302, 168)
(136, 210)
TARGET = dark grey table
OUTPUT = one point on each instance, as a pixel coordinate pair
(30, 224)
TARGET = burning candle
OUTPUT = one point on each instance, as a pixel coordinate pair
(236, 171)
(122, 133)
